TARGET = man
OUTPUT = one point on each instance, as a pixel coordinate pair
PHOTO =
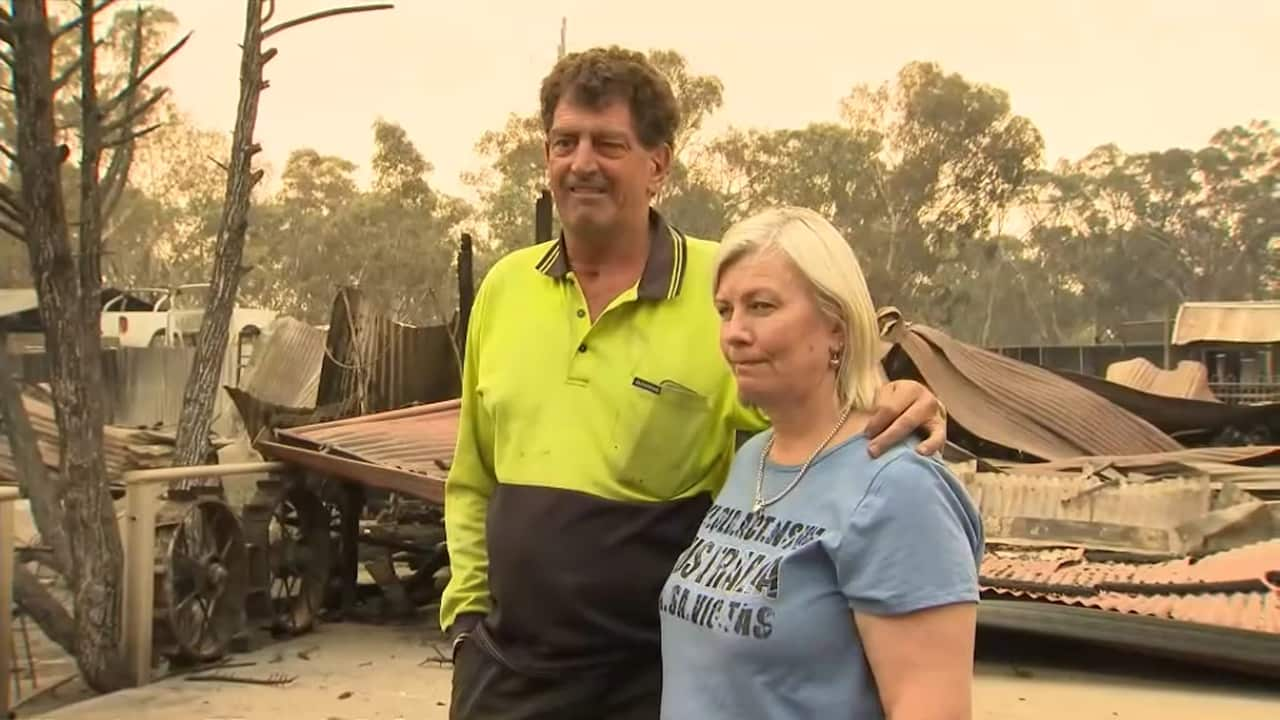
(598, 419)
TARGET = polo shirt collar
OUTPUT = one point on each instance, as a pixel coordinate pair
(663, 271)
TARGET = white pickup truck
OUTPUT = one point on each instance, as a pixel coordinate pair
(171, 317)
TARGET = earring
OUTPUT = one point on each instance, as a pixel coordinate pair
(835, 359)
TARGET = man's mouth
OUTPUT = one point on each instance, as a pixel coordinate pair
(586, 190)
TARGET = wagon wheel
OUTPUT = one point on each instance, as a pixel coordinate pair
(289, 526)
(201, 579)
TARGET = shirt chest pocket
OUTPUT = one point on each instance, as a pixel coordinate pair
(663, 435)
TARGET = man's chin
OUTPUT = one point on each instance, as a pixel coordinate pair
(589, 224)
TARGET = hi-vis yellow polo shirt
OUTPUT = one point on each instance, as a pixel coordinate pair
(587, 454)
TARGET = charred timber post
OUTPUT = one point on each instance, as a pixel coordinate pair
(466, 290)
(198, 398)
(542, 218)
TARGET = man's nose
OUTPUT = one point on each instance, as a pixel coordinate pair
(584, 160)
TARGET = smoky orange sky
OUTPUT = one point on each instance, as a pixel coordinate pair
(1144, 74)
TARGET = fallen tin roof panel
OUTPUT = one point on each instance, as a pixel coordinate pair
(1017, 405)
(1190, 420)
(1238, 588)
(415, 442)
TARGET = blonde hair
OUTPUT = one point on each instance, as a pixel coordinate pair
(825, 259)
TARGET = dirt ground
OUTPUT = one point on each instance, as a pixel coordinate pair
(380, 672)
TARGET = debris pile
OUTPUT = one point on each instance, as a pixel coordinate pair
(124, 448)
(1102, 525)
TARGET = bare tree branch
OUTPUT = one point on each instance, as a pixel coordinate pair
(71, 25)
(122, 159)
(136, 82)
(129, 137)
(90, 220)
(133, 114)
(10, 198)
(63, 77)
(35, 600)
(16, 232)
(19, 219)
(318, 16)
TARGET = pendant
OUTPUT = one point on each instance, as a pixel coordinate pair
(757, 505)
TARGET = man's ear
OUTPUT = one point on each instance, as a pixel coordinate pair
(659, 168)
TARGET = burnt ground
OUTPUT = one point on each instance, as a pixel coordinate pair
(350, 671)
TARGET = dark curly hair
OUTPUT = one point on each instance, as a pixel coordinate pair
(597, 76)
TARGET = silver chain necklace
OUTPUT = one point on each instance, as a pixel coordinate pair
(760, 502)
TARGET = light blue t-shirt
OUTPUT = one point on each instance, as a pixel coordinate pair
(756, 613)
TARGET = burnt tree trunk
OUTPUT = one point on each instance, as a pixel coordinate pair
(73, 345)
(201, 390)
(200, 394)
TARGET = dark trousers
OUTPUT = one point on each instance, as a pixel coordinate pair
(486, 689)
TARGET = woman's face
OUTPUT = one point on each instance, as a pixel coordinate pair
(776, 339)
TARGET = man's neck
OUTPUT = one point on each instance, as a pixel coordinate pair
(623, 252)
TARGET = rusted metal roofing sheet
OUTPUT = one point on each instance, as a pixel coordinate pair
(1017, 405)
(1238, 588)
(1190, 379)
(1189, 420)
(414, 445)
(1235, 322)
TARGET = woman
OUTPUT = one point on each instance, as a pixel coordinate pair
(822, 583)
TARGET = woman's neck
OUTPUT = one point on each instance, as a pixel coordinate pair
(799, 428)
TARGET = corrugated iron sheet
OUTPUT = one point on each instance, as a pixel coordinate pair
(1164, 504)
(418, 439)
(1192, 421)
(416, 443)
(384, 364)
(286, 366)
(1236, 322)
(1238, 588)
(1161, 462)
(1016, 405)
(1190, 379)
(123, 448)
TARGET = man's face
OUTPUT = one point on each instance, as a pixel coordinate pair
(601, 175)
